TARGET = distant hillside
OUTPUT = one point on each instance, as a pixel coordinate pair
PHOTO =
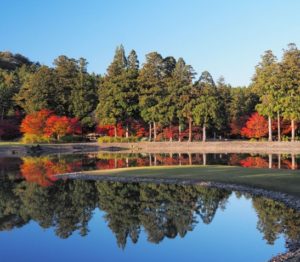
(9, 61)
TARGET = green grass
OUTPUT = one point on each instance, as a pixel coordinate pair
(4, 143)
(286, 181)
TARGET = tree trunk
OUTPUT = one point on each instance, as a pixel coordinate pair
(204, 159)
(270, 161)
(179, 133)
(171, 132)
(179, 156)
(190, 129)
(115, 127)
(127, 131)
(279, 161)
(204, 133)
(150, 160)
(190, 159)
(278, 127)
(270, 128)
(293, 130)
(150, 132)
(293, 162)
(154, 129)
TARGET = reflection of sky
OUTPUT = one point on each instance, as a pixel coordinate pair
(232, 236)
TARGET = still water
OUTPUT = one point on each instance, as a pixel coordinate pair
(45, 219)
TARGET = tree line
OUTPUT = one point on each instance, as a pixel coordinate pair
(163, 98)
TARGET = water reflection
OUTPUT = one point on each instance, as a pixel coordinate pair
(162, 211)
(42, 170)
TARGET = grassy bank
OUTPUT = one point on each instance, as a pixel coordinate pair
(285, 181)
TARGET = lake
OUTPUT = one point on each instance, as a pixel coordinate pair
(43, 218)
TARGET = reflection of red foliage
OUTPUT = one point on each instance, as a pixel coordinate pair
(42, 170)
(256, 127)
(256, 161)
(106, 164)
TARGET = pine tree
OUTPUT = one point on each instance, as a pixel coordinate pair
(66, 71)
(84, 95)
(152, 90)
(265, 84)
(290, 81)
(38, 91)
(206, 109)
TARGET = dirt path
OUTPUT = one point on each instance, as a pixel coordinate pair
(161, 147)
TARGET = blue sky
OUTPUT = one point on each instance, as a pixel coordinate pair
(224, 37)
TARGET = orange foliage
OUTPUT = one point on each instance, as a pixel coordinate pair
(45, 123)
(256, 127)
(34, 123)
(42, 170)
(61, 126)
(257, 162)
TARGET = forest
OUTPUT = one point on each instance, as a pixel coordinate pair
(161, 100)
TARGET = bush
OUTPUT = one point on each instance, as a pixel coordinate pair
(285, 138)
(253, 140)
(71, 139)
(31, 139)
(109, 139)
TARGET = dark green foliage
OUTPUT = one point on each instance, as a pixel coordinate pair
(162, 210)
(9, 61)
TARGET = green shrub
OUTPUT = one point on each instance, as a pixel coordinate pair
(109, 139)
(71, 139)
(285, 138)
(31, 139)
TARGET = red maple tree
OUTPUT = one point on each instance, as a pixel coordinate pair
(256, 127)
(33, 124)
(59, 126)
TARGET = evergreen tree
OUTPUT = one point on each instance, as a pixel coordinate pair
(38, 91)
(224, 101)
(206, 109)
(178, 84)
(265, 84)
(290, 82)
(152, 90)
(66, 71)
(84, 95)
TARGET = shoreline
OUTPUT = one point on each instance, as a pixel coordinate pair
(156, 147)
(289, 200)
(209, 147)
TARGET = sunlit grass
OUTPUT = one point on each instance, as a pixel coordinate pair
(282, 180)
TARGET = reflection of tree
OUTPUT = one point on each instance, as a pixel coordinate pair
(67, 206)
(208, 203)
(275, 218)
(11, 208)
(163, 211)
(43, 170)
(256, 161)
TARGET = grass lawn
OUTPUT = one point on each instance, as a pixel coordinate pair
(286, 181)
(3, 143)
